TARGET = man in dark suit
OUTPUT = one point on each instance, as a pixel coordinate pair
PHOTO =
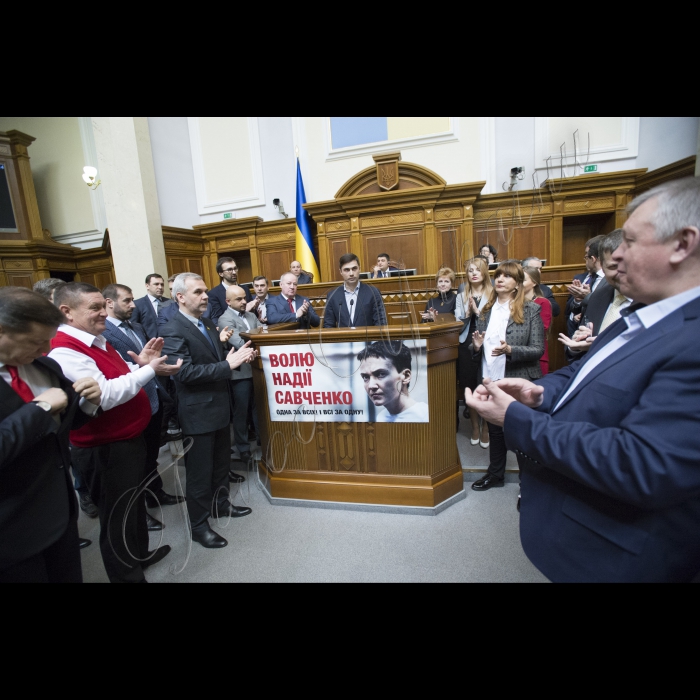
(546, 290)
(148, 308)
(128, 338)
(382, 268)
(608, 447)
(302, 277)
(227, 270)
(603, 307)
(583, 285)
(204, 408)
(289, 307)
(354, 305)
(38, 408)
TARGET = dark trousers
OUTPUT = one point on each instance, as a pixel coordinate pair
(242, 400)
(59, 563)
(207, 465)
(152, 438)
(113, 473)
(499, 452)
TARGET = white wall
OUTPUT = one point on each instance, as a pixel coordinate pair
(57, 160)
(662, 141)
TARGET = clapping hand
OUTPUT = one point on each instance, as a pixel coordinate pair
(246, 355)
(151, 356)
(252, 306)
(473, 308)
(304, 309)
(430, 314)
(491, 400)
(582, 340)
(504, 349)
(478, 340)
(578, 290)
(226, 335)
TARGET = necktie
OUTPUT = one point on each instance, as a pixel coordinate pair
(132, 335)
(20, 386)
(291, 306)
(156, 305)
(614, 311)
(204, 332)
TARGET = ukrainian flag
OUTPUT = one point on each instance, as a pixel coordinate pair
(305, 243)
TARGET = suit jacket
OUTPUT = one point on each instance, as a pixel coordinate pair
(121, 343)
(146, 316)
(526, 341)
(596, 305)
(168, 314)
(610, 481)
(278, 312)
(233, 320)
(204, 400)
(217, 301)
(370, 309)
(576, 310)
(37, 500)
(304, 279)
(391, 269)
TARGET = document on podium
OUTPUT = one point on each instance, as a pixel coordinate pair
(379, 382)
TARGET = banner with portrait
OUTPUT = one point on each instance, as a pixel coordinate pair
(382, 382)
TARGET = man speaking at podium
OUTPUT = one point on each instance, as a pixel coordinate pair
(354, 305)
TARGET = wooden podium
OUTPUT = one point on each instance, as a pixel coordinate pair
(366, 463)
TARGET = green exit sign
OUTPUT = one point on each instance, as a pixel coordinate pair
(590, 169)
(228, 216)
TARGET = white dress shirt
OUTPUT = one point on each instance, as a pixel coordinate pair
(352, 296)
(155, 303)
(76, 365)
(495, 367)
(40, 382)
(637, 323)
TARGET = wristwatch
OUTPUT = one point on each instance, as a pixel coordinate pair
(43, 405)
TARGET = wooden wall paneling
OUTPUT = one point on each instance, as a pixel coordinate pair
(15, 279)
(450, 248)
(404, 246)
(274, 263)
(431, 244)
(494, 235)
(530, 241)
(338, 248)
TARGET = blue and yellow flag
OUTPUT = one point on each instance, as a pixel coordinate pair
(305, 243)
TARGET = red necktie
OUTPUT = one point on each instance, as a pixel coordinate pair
(20, 386)
(291, 305)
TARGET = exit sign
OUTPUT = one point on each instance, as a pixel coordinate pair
(228, 216)
(590, 169)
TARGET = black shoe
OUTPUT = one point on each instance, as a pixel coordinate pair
(235, 478)
(208, 539)
(155, 557)
(518, 504)
(87, 505)
(488, 482)
(162, 499)
(153, 524)
(466, 413)
(230, 511)
(84, 544)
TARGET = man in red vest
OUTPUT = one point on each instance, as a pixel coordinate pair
(110, 452)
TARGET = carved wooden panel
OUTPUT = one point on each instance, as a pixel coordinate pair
(406, 248)
(178, 265)
(338, 249)
(585, 205)
(274, 263)
(337, 226)
(530, 241)
(18, 280)
(449, 248)
(392, 219)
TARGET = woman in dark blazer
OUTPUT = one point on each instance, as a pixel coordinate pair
(446, 301)
(509, 341)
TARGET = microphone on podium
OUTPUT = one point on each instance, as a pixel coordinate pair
(352, 304)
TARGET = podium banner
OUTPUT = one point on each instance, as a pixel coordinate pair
(382, 382)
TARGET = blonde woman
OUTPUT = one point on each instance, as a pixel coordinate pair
(478, 292)
(446, 300)
(509, 342)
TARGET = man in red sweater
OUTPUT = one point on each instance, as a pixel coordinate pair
(110, 452)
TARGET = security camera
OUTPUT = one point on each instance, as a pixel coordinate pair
(516, 171)
(280, 207)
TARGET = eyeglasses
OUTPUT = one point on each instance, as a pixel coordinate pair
(231, 269)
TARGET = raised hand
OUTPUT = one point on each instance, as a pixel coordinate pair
(226, 335)
(245, 355)
(478, 340)
(89, 390)
(151, 351)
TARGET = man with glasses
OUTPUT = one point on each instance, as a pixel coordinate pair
(228, 271)
(583, 285)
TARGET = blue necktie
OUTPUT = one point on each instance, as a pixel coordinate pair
(151, 388)
(204, 332)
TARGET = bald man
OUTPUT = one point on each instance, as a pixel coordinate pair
(302, 277)
(234, 321)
